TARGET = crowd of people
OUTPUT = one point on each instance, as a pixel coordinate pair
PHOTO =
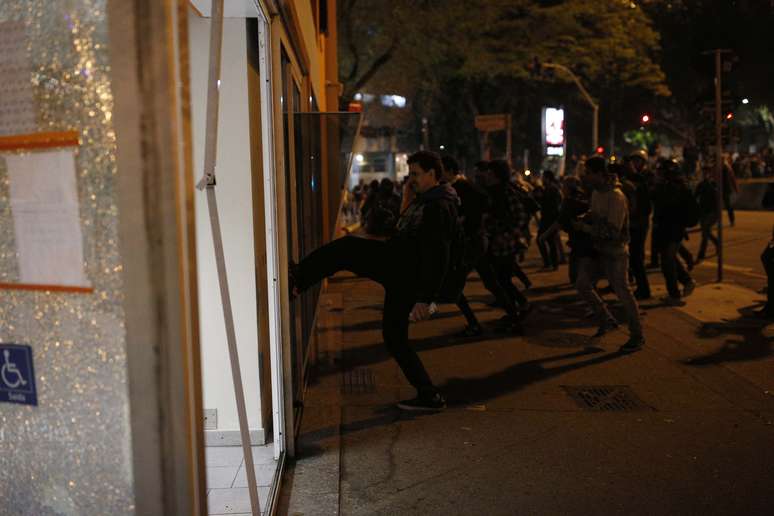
(753, 164)
(429, 233)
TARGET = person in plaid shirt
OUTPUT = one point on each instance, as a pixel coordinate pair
(503, 225)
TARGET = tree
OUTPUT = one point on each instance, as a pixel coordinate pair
(460, 58)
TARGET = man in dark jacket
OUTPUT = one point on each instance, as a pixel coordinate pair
(504, 225)
(706, 196)
(550, 202)
(672, 202)
(640, 208)
(411, 266)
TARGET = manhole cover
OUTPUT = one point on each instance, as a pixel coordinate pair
(358, 381)
(606, 398)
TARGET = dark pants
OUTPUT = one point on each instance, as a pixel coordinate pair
(489, 278)
(503, 267)
(673, 269)
(572, 269)
(638, 236)
(686, 255)
(707, 236)
(727, 203)
(373, 259)
(654, 252)
(517, 271)
(548, 250)
(467, 311)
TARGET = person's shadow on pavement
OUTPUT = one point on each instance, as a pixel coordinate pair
(465, 391)
(749, 343)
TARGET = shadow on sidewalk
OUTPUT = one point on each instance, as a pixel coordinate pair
(461, 392)
(465, 391)
(369, 354)
(748, 342)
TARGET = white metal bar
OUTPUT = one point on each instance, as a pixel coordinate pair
(208, 182)
(272, 238)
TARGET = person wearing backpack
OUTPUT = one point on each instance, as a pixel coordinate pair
(640, 209)
(473, 204)
(706, 195)
(383, 213)
(504, 225)
(674, 210)
(412, 265)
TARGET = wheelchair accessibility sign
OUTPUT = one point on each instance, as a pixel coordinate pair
(17, 376)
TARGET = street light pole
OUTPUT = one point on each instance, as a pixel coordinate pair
(718, 53)
(593, 103)
(719, 156)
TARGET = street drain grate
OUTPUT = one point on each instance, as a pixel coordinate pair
(606, 398)
(358, 381)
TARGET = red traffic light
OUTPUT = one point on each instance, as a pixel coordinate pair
(645, 119)
(730, 116)
(600, 150)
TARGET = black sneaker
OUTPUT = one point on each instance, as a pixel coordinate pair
(471, 331)
(432, 403)
(633, 344)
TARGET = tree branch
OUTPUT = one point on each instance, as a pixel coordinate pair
(375, 66)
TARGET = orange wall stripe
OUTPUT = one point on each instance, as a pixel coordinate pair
(48, 288)
(39, 140)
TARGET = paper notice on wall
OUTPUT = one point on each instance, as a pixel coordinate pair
(17, 104)
(47, 228)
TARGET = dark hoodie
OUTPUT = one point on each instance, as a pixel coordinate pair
(422, 240)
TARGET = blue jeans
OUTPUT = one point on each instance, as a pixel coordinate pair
(615, 269)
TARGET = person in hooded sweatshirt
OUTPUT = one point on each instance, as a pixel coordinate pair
(608, 225)
(411, 265)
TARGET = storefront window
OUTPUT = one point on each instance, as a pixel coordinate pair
(69, 454)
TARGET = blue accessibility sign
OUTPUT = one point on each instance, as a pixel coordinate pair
(17, 375)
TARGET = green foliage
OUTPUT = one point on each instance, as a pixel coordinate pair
(607, 42)
(455, 59)
(640, 139)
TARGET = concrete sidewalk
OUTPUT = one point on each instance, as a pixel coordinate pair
(549, 423)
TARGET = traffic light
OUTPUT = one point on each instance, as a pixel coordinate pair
(729, 116)
(600, 150)
(645, 118)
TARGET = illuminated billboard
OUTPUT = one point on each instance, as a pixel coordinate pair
(553, 131)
